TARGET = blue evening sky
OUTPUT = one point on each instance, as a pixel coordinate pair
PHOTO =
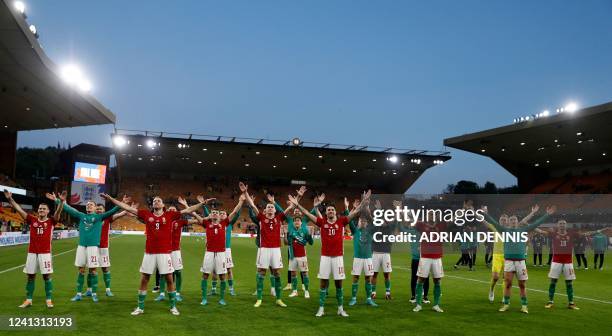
(388, 73)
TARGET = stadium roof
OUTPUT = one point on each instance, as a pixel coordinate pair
(392, 170)
(32, 93)
(543, 145)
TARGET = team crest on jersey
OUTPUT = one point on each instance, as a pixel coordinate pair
(35, 224)
(151, 219)
(326, 226)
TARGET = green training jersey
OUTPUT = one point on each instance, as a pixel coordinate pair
(516, 250)
(90, 225)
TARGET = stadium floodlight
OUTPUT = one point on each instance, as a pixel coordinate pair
(73, 76)
(296, 141)
(522, 144)
(578, 133)
(119, 141)
(545, 113)
(393, 159)
(151, 143)
(303, 167)
(20, 7)
(571, 107)
(33, 30)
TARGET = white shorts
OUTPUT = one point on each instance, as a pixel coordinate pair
(269, 257)
(331, 265)
(517, 266)
(87, 257)
(362, 265)
(104, 257)
(381, 260)
(567, 269)
(229, 262)
(38, 261)
(430, 266)
(177, 261)
(160, 261)
(298, 263)
(214, 262)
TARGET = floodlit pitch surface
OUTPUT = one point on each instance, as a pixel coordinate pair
(464, 299)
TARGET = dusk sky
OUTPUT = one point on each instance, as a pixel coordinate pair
(385, 73)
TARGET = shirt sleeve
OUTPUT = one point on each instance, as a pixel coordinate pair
(320, 222)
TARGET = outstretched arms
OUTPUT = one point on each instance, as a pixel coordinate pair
(123, 205)
(306, 213)
(15, 205)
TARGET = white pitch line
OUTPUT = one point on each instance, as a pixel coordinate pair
(530, 289)
(55, 255)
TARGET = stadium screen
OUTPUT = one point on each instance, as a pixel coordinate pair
(89, 172)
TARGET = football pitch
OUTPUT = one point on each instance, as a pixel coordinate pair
(464, 299)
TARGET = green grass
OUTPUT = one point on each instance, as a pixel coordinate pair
(467, 310)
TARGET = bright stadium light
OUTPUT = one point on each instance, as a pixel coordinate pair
(296, 141)
(73, 76)
(151, 143)
(571, 107)
(33, 30)
(393, 159)
(545, 113)
(20, 7)
(119, 141)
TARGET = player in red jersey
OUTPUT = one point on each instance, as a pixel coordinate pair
(175, 255)
(430, 262)
(104, 251)
(158, 245)
(269, 251)
(332, 248)
(39, 249)
(214, 258)
(562, 260)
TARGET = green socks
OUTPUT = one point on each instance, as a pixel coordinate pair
(141, 299)
(570, 290)
(94, 282)
(29, 289)
(506, 300)
(203, 285)
(368, 289)
(340, 296)
(162, 284)
(48, 289)
(277, 287)
(437, 293)
(230, 282)
(88, 280)
(80, 282)
(294, 283)
(107, 279)
(306, 282)
(179, 280)
(524, 300)
(272, 281)
(354, 289)
(222, 293)
(388, 286)
(172, 297)
(551, 289)
(322, 296)
(419, 293)
(373, 288)
(214, 285)
(260, 281)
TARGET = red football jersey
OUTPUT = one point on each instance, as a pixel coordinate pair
(563, 246)
(41, 234)
(432, 250)
(332, 236)
(158, 230)
(270, 230)
(105, 232)
(215, 235)
(299, 250)
(177, 229)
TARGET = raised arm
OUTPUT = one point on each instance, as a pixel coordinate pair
(310, 216)
(364, 200)
(527, 218)
(236, 208)
(197, 206)
(251, 204)
(60, 207)
(17, 207)
(120, 204)
(549, 211)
